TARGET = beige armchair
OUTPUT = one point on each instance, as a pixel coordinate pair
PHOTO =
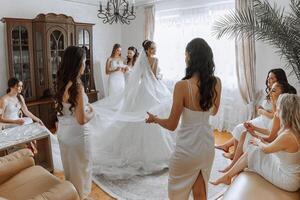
(20, 179)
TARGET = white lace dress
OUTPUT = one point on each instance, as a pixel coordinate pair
(74, 142)
(116, 80)
(194, 153)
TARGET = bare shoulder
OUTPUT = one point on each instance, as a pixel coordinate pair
(180, 85)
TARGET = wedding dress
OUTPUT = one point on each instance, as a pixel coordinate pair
(123, 144)
(116, 80)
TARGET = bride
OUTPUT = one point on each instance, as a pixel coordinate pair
(123, 145)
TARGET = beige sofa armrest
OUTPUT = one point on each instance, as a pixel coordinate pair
(64, 190)
(14, 163)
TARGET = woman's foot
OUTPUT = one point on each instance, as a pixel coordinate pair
(222, 147)
(222, 180)
(228, 155)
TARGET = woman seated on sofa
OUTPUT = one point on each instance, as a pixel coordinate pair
(267, 134)
(11, 105)
(265, 112)
(278, 161)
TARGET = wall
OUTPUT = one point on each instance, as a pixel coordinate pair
(104, 35)
(267, 58)
(133, 34)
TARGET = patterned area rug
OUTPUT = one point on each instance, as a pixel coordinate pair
(154, 187)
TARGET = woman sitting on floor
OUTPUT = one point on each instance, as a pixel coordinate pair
(278, 161)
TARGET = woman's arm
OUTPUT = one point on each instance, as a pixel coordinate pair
(108, 69)
(82, 116)
(282, 143)
(171, 123)
(5, 120)
(218, 89)
(27, 112)
(266, 113)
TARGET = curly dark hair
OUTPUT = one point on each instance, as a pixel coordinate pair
(280, 76)
(201, 63)
(147, 44)
(69, 71)
(136, 55)
(115, 47)
(12, 82)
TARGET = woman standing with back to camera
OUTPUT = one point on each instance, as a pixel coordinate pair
(75, 112)
(196, 97)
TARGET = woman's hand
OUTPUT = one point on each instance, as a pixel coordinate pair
(151, 118)
(40, 122)
(20, 121)
(249, 126)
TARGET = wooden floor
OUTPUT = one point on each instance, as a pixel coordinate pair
(97, 193)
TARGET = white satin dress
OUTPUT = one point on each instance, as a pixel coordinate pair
(116, 80)
(74, 143)
(194, 153)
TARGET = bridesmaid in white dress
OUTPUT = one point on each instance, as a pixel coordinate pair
(264, 111)
(115, 68)
(12, 104)
(73, 129)
(278, 161)
(132, 55)
(267, 134)
(196, 97)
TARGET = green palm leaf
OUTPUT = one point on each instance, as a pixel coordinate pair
(268, 23)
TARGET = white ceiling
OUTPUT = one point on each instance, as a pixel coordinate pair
(96, 2)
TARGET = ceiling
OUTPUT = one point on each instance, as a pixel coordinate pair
(96, 2)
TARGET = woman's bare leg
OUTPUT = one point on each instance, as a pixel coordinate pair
(239, 166)
(225, 147)
(238, 153)
(199, 189)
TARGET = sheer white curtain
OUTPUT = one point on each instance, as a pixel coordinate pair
(175, 27)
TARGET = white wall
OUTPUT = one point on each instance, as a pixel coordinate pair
(267, 58)
(104, 35)
(133, 34)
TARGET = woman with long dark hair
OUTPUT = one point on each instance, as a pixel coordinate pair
(12, 104)
(265, 113)
(74, 114)
(195, 98)
(115, 68)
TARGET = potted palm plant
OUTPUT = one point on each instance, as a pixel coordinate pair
(267, 23)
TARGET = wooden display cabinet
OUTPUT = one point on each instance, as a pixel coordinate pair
(35, 48)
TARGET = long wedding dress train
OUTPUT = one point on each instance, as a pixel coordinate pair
(123, 144)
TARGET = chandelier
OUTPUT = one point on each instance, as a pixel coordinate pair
(117, 10)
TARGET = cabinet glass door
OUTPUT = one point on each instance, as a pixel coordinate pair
(21, 59)
(84, 42)
(57, 46)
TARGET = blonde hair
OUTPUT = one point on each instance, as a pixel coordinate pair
(289, 111)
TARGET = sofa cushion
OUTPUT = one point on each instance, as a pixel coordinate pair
(251, 186)
(28, 184)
